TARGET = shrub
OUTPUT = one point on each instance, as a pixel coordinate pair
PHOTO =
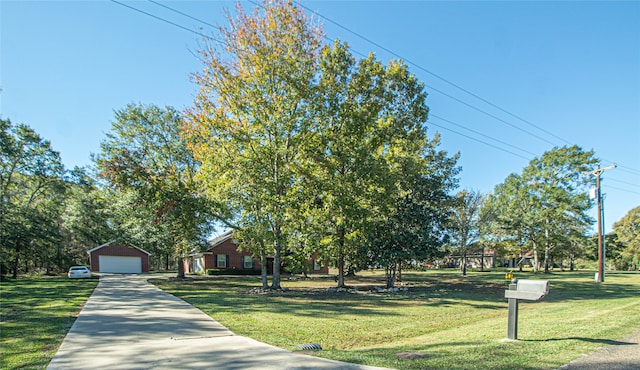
(233, 272)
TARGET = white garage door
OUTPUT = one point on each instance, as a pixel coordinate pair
(121, 265)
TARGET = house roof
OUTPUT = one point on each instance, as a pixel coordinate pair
(213, 242)
(216, 241)
(112, 242)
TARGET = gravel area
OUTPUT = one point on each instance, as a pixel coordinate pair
(615, 355)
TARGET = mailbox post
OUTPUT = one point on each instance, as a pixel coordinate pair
(512, 323)
(528, 290)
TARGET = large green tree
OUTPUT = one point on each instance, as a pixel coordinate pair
(145, 158)
(251, 115)
(465, 224)
(627, 231)
(31, 185)
(341, 168)
(559, 187)
(414, 227)
(85, 221)
(510, 226)
(370, 165)
(547, 205)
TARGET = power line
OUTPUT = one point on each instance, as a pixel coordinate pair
(165, 20)
(481, 134)
(431, 115)
(490, 115)
(427, 85)
(449, 96)
(441, 92)
(480, 141)
(630, 170)
(626, 169)
(623, 182)
(621, 189)
(622, 167)
(439, 78)
(183, 14)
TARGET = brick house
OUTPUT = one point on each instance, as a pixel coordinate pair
(223, 254)
(117, 257)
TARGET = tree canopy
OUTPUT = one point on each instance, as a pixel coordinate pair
(306, 146)
(546, 205)
(627, 231)
(145, 158)
(465, 223)
(250, 116)
(31, 179)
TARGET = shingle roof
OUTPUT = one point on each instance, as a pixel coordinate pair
(114, 241)
(214, 242)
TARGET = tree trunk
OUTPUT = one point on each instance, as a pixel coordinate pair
(180, 268)
(350, 270)
(16, 263)
(399, 272)
(390, 274)
(464, 263)
(275, 282)
(536, 266)
(341, 272)
(571, 262)
(263, 270)
(482, 259)
(341, 234)
(546, 249)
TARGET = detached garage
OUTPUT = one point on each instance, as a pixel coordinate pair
(119, 258)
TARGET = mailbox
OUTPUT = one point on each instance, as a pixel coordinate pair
(529, 290)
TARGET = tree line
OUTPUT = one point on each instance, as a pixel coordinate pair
(303, 150)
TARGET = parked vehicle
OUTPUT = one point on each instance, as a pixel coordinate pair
(79, 272)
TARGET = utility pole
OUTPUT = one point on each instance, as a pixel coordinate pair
(601, 257)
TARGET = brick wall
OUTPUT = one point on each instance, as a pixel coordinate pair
(230, 249)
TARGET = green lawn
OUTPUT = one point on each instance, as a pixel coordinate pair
(36, 314)
(454, 322)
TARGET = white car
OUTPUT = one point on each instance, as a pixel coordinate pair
(79, 272)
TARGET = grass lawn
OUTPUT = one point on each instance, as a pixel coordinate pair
(35, 316)
(450, 321)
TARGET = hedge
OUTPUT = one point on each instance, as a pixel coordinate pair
(233, 272)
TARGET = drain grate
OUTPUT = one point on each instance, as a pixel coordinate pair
(308, 347)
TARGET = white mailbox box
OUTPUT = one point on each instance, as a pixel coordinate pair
(529, 290)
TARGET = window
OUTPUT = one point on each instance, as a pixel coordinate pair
(317, 265)
(247, 262)
(221, 261)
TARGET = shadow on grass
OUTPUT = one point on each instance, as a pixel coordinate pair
(36, 314)
(608, 342)
(449, 355)
(232, 295)
(439, 289)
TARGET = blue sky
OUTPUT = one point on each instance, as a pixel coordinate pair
(570, 69)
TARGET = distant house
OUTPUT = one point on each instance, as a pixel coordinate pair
(223, 254)
(476, 257)
(514, 262)
(117, 257)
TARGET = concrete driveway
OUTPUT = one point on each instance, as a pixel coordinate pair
(128, 323)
